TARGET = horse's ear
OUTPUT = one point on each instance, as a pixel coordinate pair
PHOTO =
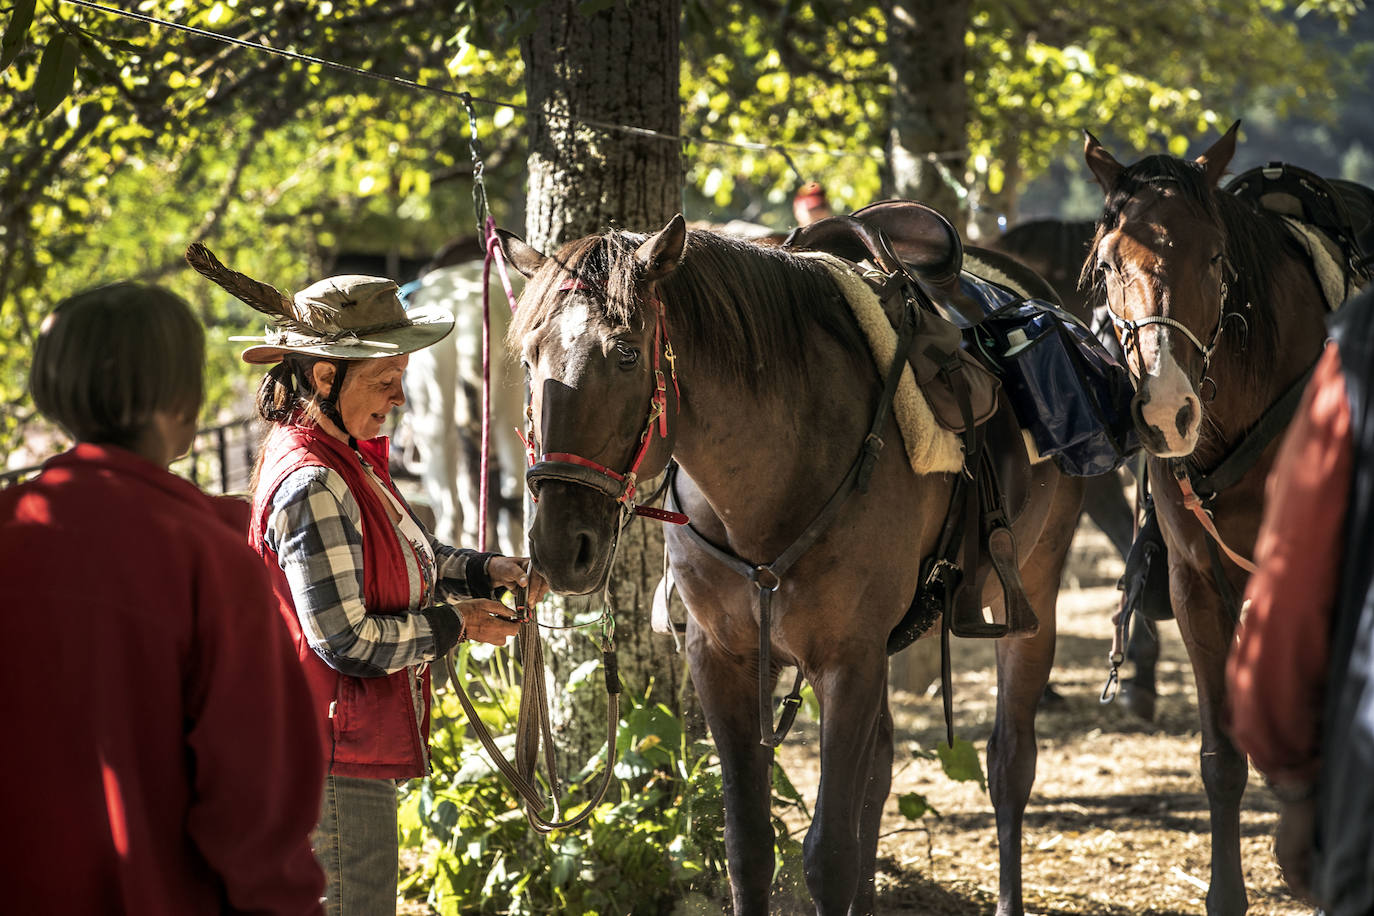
(1104, 167)
(526, 259)
(661, 253)
(1219, 154)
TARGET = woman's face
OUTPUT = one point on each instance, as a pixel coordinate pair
(370, 389)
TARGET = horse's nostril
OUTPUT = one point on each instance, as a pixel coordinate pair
(1138, 412)
(583, 554)
(1184, 419)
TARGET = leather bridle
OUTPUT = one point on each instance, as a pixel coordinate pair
(570, 467)
(1130, 333)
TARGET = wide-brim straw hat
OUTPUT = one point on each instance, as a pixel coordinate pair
(344, 317)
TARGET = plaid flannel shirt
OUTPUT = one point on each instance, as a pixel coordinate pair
(315, 528)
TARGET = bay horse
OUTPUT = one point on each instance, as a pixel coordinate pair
(765, 391)
(1055, 249)
(1221, 315)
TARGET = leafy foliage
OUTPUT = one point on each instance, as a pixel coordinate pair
(125, 142)
(659, 849)
(1039, 73)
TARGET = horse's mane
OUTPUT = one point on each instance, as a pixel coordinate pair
(746, 310)
(1256, 243)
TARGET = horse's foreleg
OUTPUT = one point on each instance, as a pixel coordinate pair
(850, 696)
(1207, 632)
(726, 688)
(1023, 668)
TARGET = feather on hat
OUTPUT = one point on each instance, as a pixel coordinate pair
(344, 317)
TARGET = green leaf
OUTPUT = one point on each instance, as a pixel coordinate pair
(961, 762)
(56, 74)
(915, 806)
(783, 786)
(16, 31)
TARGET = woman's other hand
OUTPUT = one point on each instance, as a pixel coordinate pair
(486, 621)
(515, 571)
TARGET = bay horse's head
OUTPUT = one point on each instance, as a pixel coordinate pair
(593, 339)
(1160, 260)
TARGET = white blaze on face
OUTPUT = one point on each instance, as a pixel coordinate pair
(1167, 400)
(572, 324)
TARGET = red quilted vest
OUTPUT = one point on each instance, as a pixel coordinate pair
(367, 724)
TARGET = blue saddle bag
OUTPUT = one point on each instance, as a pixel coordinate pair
(1064, 387)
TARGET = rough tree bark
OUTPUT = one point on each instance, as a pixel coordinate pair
(927, 61)
(618, 66)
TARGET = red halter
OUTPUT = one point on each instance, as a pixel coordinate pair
(572, 468)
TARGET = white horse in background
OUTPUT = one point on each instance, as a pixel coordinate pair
(444, 409)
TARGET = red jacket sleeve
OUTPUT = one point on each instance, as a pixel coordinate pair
(259, 770)
(1277, 672)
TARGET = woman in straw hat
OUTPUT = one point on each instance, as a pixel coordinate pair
(154, 683)
(370, 596)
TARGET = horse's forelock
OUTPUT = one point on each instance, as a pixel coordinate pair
(1155, 171)
(602, 264)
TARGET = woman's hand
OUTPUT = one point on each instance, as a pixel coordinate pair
(515, 571)
(1293, 846)
(486, 621)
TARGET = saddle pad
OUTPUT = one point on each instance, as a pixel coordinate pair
(929, 446)
(1337, 284)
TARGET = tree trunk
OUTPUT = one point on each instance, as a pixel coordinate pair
(618, 66)
(926, 143)
(927, 60)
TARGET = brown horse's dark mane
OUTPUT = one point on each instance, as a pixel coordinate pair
(1256, 242)
(746, 311)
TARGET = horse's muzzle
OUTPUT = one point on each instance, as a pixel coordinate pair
(572, 537)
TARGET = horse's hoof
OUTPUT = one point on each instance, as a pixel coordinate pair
(1139, 699)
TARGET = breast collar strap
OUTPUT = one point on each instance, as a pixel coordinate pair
(572, 468)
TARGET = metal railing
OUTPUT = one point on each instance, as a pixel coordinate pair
(220, 460)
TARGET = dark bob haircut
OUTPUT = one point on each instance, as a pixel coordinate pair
(108, 358)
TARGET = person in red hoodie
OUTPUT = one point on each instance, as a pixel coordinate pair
(370, 596)
(161, 755)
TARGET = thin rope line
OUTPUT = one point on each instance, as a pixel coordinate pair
(498, 103)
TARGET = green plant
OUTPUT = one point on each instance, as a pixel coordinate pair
(658, 848)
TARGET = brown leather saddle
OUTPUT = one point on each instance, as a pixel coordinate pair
(910, 243)
(1342, 210)
(917, 254)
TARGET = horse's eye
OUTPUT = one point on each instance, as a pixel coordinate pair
(627, 357)
(1106, 267)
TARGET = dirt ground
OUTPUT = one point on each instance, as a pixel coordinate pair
(1117, 821)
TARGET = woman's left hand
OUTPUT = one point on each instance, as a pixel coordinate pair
(515, 571)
